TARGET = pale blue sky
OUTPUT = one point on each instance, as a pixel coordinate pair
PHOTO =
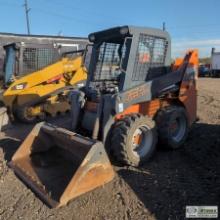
(191, 23)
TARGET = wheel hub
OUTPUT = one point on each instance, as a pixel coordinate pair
(142, 140)
(177, 128)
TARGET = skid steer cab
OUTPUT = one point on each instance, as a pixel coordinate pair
(41, 86)
(24, 58)
(132, 100)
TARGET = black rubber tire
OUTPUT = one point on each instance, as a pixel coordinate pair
(164, 119)
(121, 139)
(21, 116)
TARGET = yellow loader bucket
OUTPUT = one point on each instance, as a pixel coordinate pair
(59, 165)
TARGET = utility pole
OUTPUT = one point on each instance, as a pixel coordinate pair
(164, 26)
(27, 10)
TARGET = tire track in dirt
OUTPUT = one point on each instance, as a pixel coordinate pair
(206, 100)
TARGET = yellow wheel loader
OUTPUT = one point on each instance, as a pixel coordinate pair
(133, 99)
(44, 92)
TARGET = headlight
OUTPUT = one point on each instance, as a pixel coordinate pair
(92, 37)
(124, 30)
(19, 86)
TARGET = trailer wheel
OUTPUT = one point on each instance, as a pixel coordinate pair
(172, 126)
(24, 116)
(134, 139)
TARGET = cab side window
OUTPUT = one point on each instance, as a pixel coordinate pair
(150, 58)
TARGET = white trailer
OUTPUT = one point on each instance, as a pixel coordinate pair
(215, 63)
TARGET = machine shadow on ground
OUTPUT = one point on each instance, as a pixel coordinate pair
(9, 146)
(174, 179)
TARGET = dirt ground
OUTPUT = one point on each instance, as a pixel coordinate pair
(159, 190)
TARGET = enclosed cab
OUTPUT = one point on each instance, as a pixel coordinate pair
(129, 55)
(25, 58)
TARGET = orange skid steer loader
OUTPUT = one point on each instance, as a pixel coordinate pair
(133, 99)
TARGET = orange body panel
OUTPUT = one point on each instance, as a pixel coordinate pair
(187, 93)
(177, 63)
(146, 108)
(188, 98)
(188, 90)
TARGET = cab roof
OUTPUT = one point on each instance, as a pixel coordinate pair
(126, 31)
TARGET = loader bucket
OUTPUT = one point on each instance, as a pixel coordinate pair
(59, 165)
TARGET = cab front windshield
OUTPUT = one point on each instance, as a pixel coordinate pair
(110, 57)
